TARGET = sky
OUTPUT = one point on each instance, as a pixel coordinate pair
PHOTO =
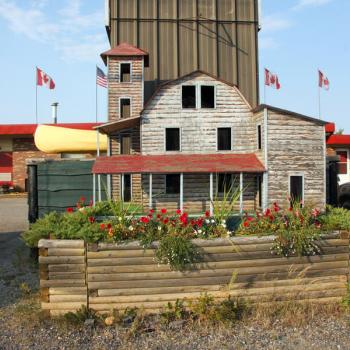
(65, 38)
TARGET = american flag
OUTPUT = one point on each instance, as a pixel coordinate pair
(101, 78)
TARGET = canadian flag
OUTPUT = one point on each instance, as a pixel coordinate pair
(43, 79)
(323, 81)
(271, 79)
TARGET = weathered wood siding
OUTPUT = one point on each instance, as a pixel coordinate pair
(198, 127)
(295, 147)
(125, 275)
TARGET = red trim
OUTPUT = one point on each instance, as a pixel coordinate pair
(178, 163)
(29, 129)
(338, 140)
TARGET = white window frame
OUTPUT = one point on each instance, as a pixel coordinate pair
(180, 136)
(196, 90)
(303, 183)
(217, 137)
(122, 186)
(120, 72)
(257, 137)
(200, 96)
(347, 160)
(125, 98)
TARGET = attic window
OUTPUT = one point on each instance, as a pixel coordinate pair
(207, 96)
(224, 139)
(188, 96)
(125, 72)
(125, 108)
(172, 139)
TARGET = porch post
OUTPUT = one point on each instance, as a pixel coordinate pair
(211, 193)
(98, 154)
(94, 189)
(241, 193)
(181, 191)
(122, 188)
(150, 191)
(109, 186)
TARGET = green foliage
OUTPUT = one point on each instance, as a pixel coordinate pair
(336, 219)
(177, 251)
(80, 316)
(346, 299)
(173, 312)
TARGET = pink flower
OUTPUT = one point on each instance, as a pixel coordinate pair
(315, 212)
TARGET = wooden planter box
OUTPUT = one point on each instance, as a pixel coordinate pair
(108, 276)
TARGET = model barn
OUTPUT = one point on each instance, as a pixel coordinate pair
(198, 134)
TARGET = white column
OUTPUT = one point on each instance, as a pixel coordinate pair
(181, 191)
(241, 193)
(94, 189)
(266, 158)
(98, 154)
(150, 191)
(211, 193)
(109, 185)
(122, 188)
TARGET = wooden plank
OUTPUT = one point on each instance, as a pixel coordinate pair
(60, 243)
(221, 287)
(62, 283)
(226, 271)
(68, 298)
(195, 281)
(61, 259)
(68, 290)
(66, 252)
(66, 276)
(62, 306)
(217, 264)
(67, 268)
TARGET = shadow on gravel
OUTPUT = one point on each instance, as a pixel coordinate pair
(18, 269)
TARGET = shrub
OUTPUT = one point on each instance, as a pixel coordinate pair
(336, 219)
(172, 312)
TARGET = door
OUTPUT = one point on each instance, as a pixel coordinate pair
(6, 168)
(343, 166)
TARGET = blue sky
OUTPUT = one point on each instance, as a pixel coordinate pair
(65, 38)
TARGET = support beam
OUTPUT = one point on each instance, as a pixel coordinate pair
(94, 189)
(266, 159)
(241, 193)
(98, 154)
(181, 191)
(211, 193)
(109, 178)
(150, 191)
(122, 188)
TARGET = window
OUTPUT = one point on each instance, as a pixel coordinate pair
(125, 144)
(172, 139)
(259, 137)
(172, 184)
(225, 183)
(207, 96)
(343, 162)
(125, 70)
(259, 190)
(296, 188)
(224, 139)
(127, 188)
(124, 107)
(189, 96)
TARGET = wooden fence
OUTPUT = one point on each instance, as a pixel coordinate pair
(111, 276)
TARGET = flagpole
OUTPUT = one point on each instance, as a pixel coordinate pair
(319, 102)
(96, 92)
(36, 94)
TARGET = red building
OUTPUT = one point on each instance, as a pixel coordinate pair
(17, 146)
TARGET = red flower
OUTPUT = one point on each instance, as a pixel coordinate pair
(246, 224)
(290, 209)
(69, 210)
(315, 212)
(317, 224)
(151, 211)
(200, 222)
(78, 205)
(276, 208)
(271, 217)
(158, 216)
(150, 215)
(207, 214)
(178, 211)
(145, 219)
(163, 211)
(91, 202)
(249, 218)
(82, 199)
(267, 212)
(109, 226)
(110, 232)
(102, 226)
(166, 220)
(91, 219)
(193, 222)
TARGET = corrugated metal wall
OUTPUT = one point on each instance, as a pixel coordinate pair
(217, 36)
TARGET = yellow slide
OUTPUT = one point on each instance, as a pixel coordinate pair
(55, 139)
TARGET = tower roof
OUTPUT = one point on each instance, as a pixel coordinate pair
(125, 49)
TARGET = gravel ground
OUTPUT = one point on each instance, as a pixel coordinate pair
(22, 327)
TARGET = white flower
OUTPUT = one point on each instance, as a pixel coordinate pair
(207, 221)
(159, 228)
(223, 221)
(120, 218)
(223, 225)
(199, 231)
(212, 221)
(131, 228)
(82, 209)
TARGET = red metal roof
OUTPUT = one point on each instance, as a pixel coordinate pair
(330, 128)
(338, 140)
(29, 129)
(178, 163)
(123, 49)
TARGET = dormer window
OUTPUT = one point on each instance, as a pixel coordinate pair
(172, 139)
(125, 72)
(188, 96)
(207, 96)
(125, 106)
